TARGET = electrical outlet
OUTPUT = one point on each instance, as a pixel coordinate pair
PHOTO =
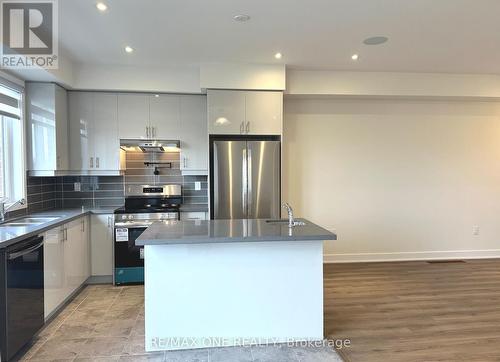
(77, 186)
(197, 185)
(475, 230)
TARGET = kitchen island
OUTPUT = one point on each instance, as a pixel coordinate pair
(232, 282)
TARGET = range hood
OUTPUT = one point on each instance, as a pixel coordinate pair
(151, 145)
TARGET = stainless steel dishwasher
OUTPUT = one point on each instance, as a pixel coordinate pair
(21, 295)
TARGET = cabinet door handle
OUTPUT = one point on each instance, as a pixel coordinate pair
(154, 132)
(83, 225)
(248, 127)
(91, 162)
(185, 161)
(242, 127)
(97, 162)
(147, 132)
(58, 162)
(109, 221)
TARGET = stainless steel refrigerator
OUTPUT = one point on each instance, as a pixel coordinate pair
(245, 178)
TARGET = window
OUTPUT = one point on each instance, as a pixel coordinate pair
(12, 164)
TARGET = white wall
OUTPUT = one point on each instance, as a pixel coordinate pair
(137, 79)
(62, 75)
(342, 83)
(242, 76)
(396, 179)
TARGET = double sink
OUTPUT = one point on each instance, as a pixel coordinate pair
(29, 221)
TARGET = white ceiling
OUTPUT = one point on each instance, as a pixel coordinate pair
(452, 36)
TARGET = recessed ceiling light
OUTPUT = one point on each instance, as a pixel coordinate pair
(278, 55)
(157, 95)
(241, 18)
(129, 49)
(355, 57)
(375, 40)
(101, 6)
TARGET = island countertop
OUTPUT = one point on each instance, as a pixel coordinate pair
(228, 231)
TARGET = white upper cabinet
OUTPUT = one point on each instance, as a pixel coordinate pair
(93, 132)
(164, 116)
(47, 128)
(133, 116)
(194, 136)
(62, 157)
(105, 132)
(148, 116)
(226, 111)
(263, 112)
(245, 112)
(80, 130)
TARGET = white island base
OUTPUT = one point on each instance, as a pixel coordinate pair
(228, 294)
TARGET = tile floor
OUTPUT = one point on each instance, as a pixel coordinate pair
(106, 323)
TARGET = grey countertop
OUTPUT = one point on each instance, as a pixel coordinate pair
(12, 234)
(226, 231)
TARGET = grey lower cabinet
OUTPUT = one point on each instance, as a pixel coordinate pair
(66, 262)
(101, 245)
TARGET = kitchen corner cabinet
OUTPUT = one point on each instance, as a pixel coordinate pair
(47, 129)
(193, 135)
(149, 116)
(93, 132)
(101, 245)
(66, 262)
(245, 112)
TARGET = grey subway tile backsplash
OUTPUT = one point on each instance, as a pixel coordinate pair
(138, 173)
(48, 193)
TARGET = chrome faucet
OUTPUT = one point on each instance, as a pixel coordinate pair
(3, 209)
(291, 220)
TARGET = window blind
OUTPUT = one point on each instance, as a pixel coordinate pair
(10, 102)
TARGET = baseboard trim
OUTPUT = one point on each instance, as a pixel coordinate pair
(100, 279)
(411, 256)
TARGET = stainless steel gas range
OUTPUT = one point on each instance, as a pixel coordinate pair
(144, 204)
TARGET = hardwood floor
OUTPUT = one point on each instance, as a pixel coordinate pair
(415, 311)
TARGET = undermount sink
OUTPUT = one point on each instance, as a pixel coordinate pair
(29, 221)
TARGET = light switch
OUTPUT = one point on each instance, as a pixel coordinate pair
(197, 185)
(78, 186)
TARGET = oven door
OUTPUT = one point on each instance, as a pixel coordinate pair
(129, 258)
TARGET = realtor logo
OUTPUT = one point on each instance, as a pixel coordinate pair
(29, 34)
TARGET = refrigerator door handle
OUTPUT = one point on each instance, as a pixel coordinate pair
(249, 183)
(244, 178)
